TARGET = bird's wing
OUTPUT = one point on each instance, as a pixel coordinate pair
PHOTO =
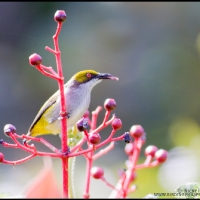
(47, 104)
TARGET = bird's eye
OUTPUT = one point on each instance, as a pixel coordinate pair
(88, 75)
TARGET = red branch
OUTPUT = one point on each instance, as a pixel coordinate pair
(63, 112)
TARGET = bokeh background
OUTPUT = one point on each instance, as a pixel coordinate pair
(154, 50)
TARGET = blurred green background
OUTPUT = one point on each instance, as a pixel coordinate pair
(154, 50)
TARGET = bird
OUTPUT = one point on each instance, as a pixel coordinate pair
(77, 93)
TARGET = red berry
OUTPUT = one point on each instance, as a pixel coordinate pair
(161, 155)
(87, 114)
(35, 59)
(116, 124)
(129, 149)
(60, 16)
(94, 138)
(109, 104)
(97, 172)
(136, 131)
(151, 150)
(82, 124)
(9, 129)
(1, 157)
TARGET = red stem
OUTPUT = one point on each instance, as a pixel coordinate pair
(107, 114)
(18, 161)
(124, 182)
(78, 145)
(98, 109)
(118, 188)
(89, 159)
(28, 148)
(50, 69)
(94, 117)
(107, 183)
(43, 141)
(41, 69)
(63, 111)
(152, 164)
(96, 146)
(138, 145)
(104, 151)
(102, 126)
(90, 156)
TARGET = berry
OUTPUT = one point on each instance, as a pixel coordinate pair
(1, 157)
(9, 129)
(129, 149)
(94, 138)
(97, 172)
(35, 59)
(116, 124)
(136, 131)
(82, 124)
(60, 16)
(161, 155)
(127, 137)
(151, 150)
(109, 104)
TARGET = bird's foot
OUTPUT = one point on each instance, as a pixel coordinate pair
(64, 115)
(65, 153)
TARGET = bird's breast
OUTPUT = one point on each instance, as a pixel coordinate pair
(77, 104)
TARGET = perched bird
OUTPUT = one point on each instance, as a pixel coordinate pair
(77, 93)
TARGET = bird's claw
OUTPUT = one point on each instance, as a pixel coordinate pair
(64, 115)
(65, 153)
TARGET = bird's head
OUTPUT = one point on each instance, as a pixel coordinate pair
(89, 78)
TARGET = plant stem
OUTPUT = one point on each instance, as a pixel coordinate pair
(86, 194)
(130, 171)
(63, 113)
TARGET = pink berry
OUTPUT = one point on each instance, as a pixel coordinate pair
(97, 172)
(129, 149)
(136, 131)
(116, 124)
(151, 150)
(161, 155)
(94, 138)
(35, 59)
(1, 157)
(109, 104)
(60, 16)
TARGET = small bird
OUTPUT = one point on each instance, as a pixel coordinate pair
(77, 93)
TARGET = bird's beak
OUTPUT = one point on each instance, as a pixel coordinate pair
(107, 76)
